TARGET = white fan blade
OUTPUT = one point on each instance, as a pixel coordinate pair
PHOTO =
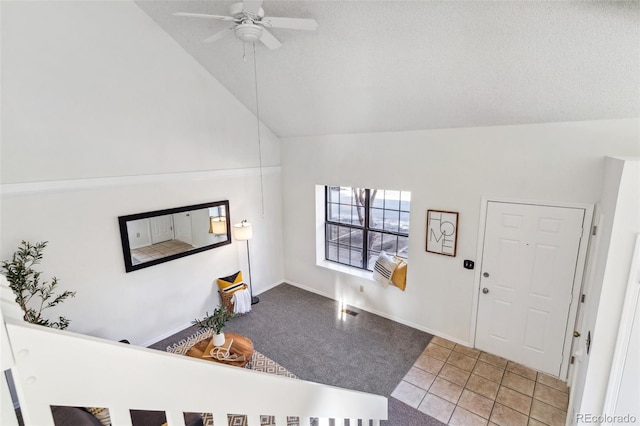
(252, 6)
(269, 40)
(219, 35)
(201, 15)
(290, 23)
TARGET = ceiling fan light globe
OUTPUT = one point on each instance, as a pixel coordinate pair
(248, 33)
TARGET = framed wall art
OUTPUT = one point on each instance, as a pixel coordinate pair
(442, 232)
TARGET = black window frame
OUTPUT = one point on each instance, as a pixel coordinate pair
(365, 229)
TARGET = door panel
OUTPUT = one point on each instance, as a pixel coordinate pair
(529, 262)
(161, 228)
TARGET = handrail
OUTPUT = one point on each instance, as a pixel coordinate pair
(54, 367)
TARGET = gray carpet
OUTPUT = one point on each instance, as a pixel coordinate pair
(302, 331)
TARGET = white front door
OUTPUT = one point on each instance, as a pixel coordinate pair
(182, 225)
(161, 228)
(529, 263)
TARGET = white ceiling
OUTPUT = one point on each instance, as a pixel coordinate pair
(375, 66)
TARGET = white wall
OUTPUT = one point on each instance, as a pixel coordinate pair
(621, 208)
(97, 89)
(449, 169)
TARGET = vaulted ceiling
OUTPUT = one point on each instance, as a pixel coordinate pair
(375, 66)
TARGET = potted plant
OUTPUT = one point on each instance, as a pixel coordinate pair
(33, 295)
(215, 322)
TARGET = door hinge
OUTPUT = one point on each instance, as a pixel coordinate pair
(573, 359)
(594, 230)
(584, 296)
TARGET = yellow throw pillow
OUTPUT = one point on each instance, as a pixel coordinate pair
(232, 280)
(399, 277)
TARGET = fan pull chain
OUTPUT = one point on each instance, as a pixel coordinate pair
(255, 73)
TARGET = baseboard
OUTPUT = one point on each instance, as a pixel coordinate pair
(269, 287)
(384, 315)
(165, 335)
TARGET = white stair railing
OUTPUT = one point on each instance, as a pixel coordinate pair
(52, 367)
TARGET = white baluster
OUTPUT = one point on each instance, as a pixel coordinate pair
(281, 420)
(305, 421)
(220, 419)
(175, 418)
(323, 421)
(120, 416)
(376, 422)
(253, 420)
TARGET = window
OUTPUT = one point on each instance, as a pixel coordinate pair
(360, 223)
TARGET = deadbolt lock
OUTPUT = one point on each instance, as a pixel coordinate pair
(576, 334)
(486, 274)
(485, 290)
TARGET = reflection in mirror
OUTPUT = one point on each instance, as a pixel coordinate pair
(155, 237)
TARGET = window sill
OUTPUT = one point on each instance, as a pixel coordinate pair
(349, 270)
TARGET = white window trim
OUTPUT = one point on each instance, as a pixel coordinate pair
(320, 243)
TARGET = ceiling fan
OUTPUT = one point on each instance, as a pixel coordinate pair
(249, 24)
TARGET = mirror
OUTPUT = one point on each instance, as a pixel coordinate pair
(160, 236)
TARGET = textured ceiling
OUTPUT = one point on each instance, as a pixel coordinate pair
(374, 66)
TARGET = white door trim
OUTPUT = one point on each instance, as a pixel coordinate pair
(577, 281)
(630, 309)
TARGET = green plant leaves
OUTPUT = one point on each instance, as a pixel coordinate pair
(25, 283)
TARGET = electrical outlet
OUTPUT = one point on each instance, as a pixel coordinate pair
(361, 289)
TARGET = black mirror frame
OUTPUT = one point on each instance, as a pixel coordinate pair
(126, 248)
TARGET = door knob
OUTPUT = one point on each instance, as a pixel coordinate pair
(485, 290)
(576, 334)
(486, 274)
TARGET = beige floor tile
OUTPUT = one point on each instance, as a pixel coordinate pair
(443, 342)
(475, 403)
(446, 390)
(454, 374)
(462, 417)
(429, 364)
(488, 371)
(551, 396)
(482, 386)
(437, 352)
(552, 382)
(547, 414)
(437, 408)
(534, 422)
(409, 394)
(505, 416)
(419, 378)
(493, 360)
(461, 361)
(473, 353)
(516, 400)
(521, 370)
(518, 383)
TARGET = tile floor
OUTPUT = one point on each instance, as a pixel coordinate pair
(158, 251)
(462, 386)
